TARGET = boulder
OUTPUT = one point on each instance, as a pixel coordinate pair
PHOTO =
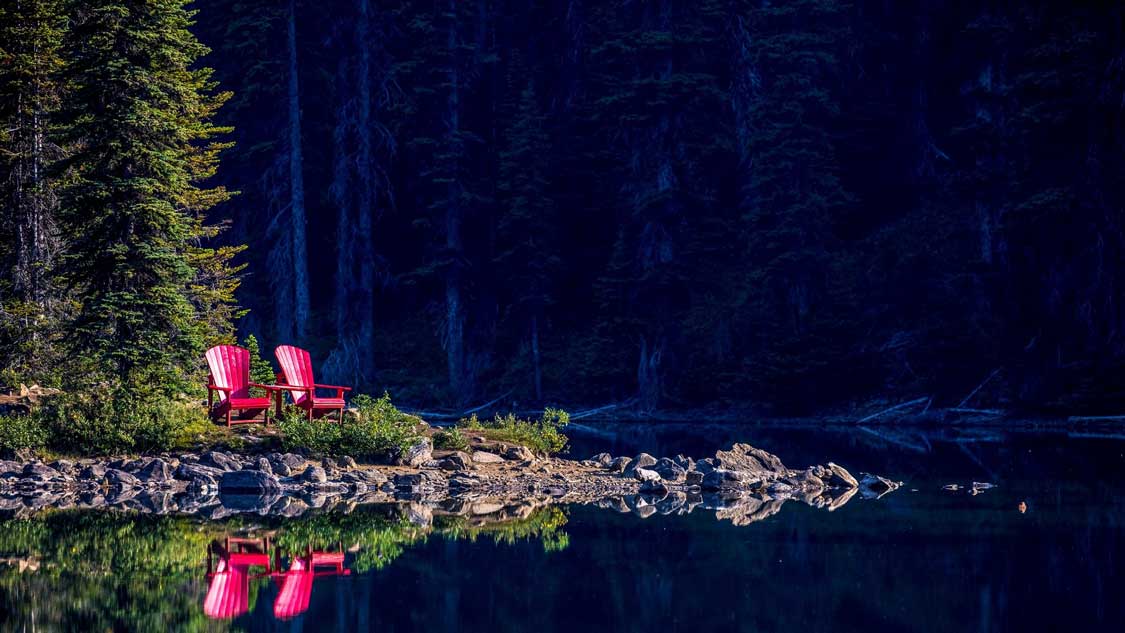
(261, 464)
(519, 454)
(457, 460)
(484, 457)
(36, 471)
(705, 465)
(645, 475)
(722, 479)
(876, 486)
(156, 470)
(604, 459)
(644, 460)
(753, 461)
(348, 462)
(313, 475)
(249, 482)
(92, 472)
(121, 478)
(419, 453)
(670, 471)
(222, 461)
(619, 464)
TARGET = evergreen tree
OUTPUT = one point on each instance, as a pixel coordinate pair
(31, 33)
(135, 213)
(527, 232)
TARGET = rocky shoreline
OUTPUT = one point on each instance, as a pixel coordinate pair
(742, 484)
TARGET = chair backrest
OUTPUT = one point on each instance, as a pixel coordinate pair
(230, 367)
(296, 369)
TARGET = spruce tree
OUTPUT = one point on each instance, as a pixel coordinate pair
(527, 232)
(152, 298)
(31, 33)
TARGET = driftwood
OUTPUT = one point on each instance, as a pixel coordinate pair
(437, 415)
(1096, 418)
(26, 397)
(989, 412)
(894, 408)
(974, 391)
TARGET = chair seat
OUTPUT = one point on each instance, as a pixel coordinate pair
(250, 403)
(327, 403)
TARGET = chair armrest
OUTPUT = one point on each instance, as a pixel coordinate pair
(223, 389)
(266, 387)
(291, 388)
(333, 387)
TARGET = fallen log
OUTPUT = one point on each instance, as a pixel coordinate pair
(894, 408)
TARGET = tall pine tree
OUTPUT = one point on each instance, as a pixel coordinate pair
(134, 214)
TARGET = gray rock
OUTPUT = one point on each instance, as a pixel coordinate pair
(874, 486)
(670, 471)
(63, 466)
(329, 464)
(604, 459)
(693, 478)
(519, 454)
(418, 453)
(40, 472)
(221, 460)
(721, 479)
(92, 472)
(314, 475)
(484, 457)
(292, 460)
(457, 460)
(261, 464)
(753, 461)
(348, 462)
(121, 478)
(645, 475)
(840, 477)
(705, 465)
(280, 468)
(619, 464)
(156, 470)
(644, 460)
(249, 482)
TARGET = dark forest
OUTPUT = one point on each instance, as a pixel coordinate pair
(793, 207)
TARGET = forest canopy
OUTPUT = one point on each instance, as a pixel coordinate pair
(794, 206)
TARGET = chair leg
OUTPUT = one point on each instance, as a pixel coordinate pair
(228, 417)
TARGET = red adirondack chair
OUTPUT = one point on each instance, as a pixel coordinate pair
(228, 590)
(296, 377)
(230, 379)
(296, 583)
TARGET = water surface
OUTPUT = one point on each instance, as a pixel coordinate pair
(920, 559)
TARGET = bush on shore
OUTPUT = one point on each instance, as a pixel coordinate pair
(374, 428)
(543, 436)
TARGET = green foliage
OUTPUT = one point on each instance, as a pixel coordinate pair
(543, 436)
(104, 422)
(133, 212)
(450, 439)
(23, 431)
(375, 429)
(261, 370)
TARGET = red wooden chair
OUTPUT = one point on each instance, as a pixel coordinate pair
(228, 590)
(296, 583)
(230, 379)
(296, 377)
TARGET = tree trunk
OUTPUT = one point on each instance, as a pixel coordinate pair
(454, 305)
(299, 310)
(535, 358)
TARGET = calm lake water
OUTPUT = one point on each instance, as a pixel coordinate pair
(919, 559)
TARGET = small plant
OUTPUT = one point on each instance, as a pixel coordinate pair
(23, 431)
(376, 428)
(542, 436)
(451, 440)
(261, 370)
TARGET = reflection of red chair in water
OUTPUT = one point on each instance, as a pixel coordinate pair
(228, 594)
(296, 583)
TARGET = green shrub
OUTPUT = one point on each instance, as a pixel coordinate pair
(375, 428)
(451, 439)
(542, 436)
(22, 431)
(115, 421)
